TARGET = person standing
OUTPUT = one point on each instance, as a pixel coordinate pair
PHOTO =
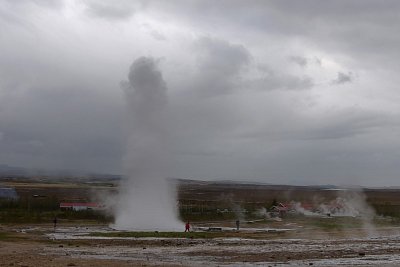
(237, 225)
(55, 222)
(187, 227)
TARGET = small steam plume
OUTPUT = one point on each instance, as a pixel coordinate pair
(355, 203)
(262, 212)
(349, 203)
(146, 200)
(228, 199)
(239, 211)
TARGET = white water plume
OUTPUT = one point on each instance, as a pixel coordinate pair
(147, 201)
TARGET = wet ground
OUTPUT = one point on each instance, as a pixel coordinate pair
(256, 246)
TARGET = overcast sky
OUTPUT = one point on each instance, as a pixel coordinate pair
(273, 91)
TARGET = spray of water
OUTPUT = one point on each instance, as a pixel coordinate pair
(146, 200)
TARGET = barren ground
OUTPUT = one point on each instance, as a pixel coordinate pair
(40, 245)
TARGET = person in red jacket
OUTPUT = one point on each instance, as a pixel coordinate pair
(187, 227)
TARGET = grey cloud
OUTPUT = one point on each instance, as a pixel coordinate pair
(222, 65)
(280, 81)
(18, 12)
(157, 35)
(56, 4)
(64, 127)
(344, 124)
(219, 66)
(301, 61)
(343, 78)
(60, 104)
(360, 28)
(221, 56)
(154, 33)
(317, 61)
(110, 9)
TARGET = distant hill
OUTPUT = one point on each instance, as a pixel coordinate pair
(11, 170)
(15, 173)
(251, 185)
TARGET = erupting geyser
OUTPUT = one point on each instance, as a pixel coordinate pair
(147, 201)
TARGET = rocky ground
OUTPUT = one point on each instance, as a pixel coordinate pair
(40, 245)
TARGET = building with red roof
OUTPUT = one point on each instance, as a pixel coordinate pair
(80, 206)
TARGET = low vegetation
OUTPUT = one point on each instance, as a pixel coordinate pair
(190, 235)
(40, 203)
(43, 210)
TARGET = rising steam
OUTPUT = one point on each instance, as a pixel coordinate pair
(146, 199)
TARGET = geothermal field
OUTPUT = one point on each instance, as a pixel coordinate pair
(278, 226)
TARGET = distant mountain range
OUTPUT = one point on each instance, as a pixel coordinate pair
(15, 172)
(11, 170)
